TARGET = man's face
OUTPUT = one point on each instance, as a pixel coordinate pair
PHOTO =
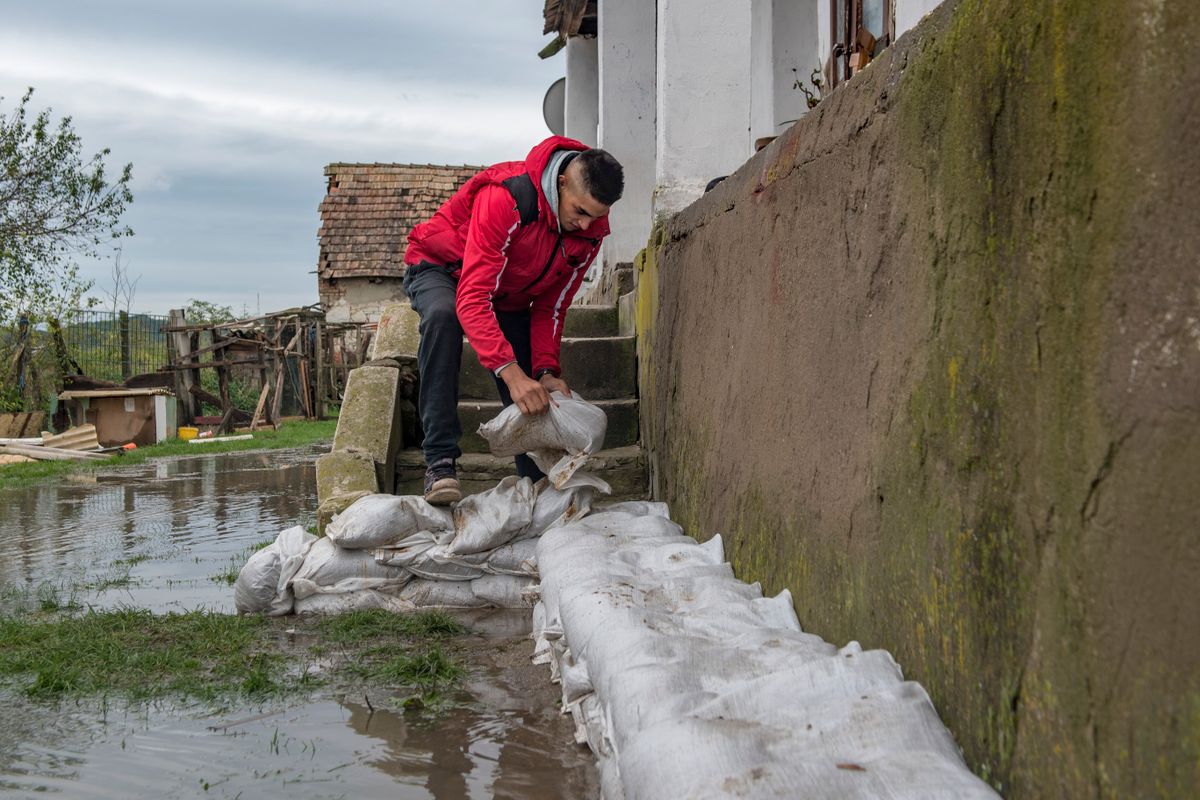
(577, 209)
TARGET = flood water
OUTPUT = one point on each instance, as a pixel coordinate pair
(161, 535)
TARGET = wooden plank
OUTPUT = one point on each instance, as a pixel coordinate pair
(277, 398)
(262, 401)
(226, 424)
(240, 438)
(238, 414)
(304, 402)
(210, 364)
(44, 453)
(319, 368)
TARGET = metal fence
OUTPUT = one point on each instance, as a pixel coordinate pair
(35, 356)
(114, 346)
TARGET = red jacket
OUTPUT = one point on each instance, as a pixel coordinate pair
(506, 265)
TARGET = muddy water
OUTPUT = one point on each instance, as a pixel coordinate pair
(156, 536)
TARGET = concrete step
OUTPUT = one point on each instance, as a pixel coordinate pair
(591, 321)
(622, 422)
(623, 467)
(602, 368)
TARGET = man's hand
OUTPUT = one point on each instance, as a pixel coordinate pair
(529, 395)
(554, 384)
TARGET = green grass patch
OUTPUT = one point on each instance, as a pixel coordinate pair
(137, 654)
(199, 655)
(368, 626)
(298, 433)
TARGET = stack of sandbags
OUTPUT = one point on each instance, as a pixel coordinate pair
(401, 553)
(686, 682)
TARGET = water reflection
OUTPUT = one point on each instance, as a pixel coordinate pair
(154, 535)
(168, 527)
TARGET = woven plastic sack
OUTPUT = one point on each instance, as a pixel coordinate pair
(377, 519)
(329, 569)
(559, 441)
(263, 584)
(489, 519)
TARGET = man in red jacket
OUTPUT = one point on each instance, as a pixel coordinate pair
(501, 261)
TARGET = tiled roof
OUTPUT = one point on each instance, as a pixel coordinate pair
(369, 209)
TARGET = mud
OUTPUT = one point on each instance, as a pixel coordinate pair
(155, 536)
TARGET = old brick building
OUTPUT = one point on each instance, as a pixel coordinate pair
(366, 215)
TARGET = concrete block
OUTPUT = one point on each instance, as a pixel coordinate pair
(397, 335)
(334, 506)
(627, 314)
(584, 321)
(370, 418)
(343, 472)
(599, 369)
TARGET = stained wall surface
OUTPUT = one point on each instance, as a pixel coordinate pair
(932, 362)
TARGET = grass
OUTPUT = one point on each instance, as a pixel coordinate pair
(229, 574)
(199, 655)
(297, 433)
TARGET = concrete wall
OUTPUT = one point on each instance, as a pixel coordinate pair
(932, 361)
(359, 299)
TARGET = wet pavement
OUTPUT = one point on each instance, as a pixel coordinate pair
(163, 535)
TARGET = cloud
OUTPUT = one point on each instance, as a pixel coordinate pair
(230, 110)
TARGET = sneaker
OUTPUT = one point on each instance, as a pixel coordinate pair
(441, 483)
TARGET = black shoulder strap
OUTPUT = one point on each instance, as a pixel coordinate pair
(525, 194)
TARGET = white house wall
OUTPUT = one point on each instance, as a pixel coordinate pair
(785, 47)
(626, 53)
(910, 12)
(703, 96)
(795, 53)
(583, 90)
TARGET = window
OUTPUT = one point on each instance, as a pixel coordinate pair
(861, 29)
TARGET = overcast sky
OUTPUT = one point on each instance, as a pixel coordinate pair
(229, 111)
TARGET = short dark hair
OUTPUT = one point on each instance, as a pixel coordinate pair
(602, 175)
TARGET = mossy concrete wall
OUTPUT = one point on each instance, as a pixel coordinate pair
(932, 362)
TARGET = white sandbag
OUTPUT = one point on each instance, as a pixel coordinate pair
(638, 508)
(503, 591)
(686, 682)
(263, 583)
(515, 558)
(441, 594)
(361, 600)
(486, 520)
(408, 550)
(558, 506)
(559, 441)
(329, 569)
(377, 519)
(427, 557)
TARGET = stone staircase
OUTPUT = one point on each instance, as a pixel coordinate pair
(598, 363)
(376, 447)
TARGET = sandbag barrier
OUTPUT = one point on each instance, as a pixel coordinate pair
(687, 683)
(400, 553)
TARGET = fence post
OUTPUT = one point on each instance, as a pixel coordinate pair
(182, 347)
(22, 355)
(126, 348)
(319, 351)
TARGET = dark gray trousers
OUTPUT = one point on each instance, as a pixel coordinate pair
(431, 290)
